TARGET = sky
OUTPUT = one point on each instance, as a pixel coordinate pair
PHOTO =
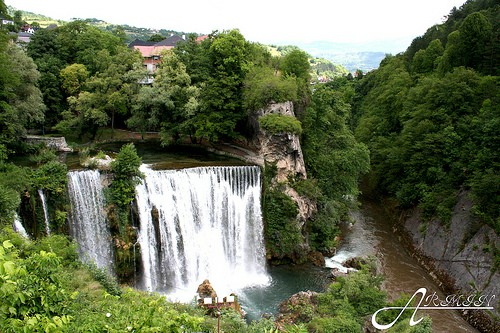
(280, 22)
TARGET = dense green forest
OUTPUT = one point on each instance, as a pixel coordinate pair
(431, 119)
(422, 127)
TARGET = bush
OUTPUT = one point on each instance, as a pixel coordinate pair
(262, 87)
(126, 173)
(278, 124)
(282, 233)
(32, 296)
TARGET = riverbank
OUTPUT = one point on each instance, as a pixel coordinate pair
(373, 234)
(464, 264)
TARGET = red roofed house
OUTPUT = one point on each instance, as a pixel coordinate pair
(151, 51)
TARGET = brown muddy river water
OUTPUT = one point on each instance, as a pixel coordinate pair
(372, 234)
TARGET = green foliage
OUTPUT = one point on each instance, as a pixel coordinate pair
(13, 180)
(361, 290)
(221, 105)
(262, 325)
(263, 86)
(41, 291)
(169, 104)
(73, 77)
(332, 154)
(31, 291)
(296, 63)
(105, 279)
(342, 323)
(280, 124)
(430, 123)
(325, 69)
(21, 104)
(282, 233)
(324, 226)
(333, 158)
(51, 177)
(132, 311)
(126, 175)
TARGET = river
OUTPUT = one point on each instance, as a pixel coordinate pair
(372, 234)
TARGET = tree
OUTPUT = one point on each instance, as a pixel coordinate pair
(296, 63)
(21, 100)
(170, 104)
(262, 86)
(105, 95)
(221, 104)
(333, 156)
(3, 9)
(195, 56)
(156, 38)
(73, 77)
(475, 35)
(44, 48)
(425, 61)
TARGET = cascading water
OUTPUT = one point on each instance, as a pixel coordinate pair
(18, 227)
(45, 211)
(88, 224)
(201, 223)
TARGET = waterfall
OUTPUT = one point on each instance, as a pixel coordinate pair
(18, 227)
(88, 224)
(201, 223)
(45, 211)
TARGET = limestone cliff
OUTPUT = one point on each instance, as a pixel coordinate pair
(283, 150)
(461, 256)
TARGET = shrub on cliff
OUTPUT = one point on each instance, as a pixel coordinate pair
(277, 124)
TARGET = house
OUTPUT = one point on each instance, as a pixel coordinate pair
(24, 37)
(4, 21)
(151, 51)
(27, 29)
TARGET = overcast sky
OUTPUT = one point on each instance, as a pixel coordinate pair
(265, 21)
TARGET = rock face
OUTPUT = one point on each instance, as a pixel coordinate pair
(281, 149)
(297, 309)
(205, 289)
(461, 256)
(284, 151)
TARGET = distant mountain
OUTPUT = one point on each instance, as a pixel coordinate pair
(354, 56)
(365, 61)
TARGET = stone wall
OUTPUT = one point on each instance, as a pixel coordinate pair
(58, 143)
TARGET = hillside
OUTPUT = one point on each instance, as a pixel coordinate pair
(131, 32)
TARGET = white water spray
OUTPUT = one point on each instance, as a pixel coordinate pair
(88, 224)
(18, 227)
(201, 223)
(45, 211)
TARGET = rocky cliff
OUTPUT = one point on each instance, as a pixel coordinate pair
(460, 256)
(283, 151)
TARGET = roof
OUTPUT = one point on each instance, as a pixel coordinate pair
(151, 50)
(201, 38)
(170, 41)
(139, 42)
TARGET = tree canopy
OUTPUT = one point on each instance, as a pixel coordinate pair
(427, 117)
